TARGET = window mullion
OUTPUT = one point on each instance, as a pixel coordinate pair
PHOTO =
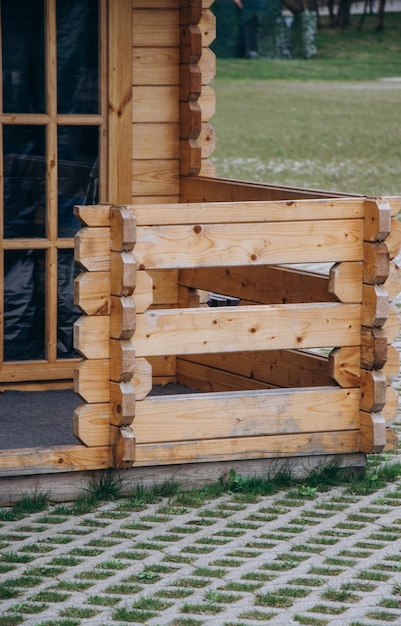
(51, 183)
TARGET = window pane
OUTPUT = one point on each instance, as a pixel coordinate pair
(78, 150)
(77, 56)
(24, 181)
(67, 313)
(24, 305)
(23, 56)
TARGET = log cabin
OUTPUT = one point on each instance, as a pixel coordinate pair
(114, 231)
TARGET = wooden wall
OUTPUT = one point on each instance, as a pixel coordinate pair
(172, 100)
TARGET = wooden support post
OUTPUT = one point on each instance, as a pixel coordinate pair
(91, 330)
(122, 326)
(375, 311)
(197, 32)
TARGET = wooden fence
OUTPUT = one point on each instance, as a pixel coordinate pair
(257, 388)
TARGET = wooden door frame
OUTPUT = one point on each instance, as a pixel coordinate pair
(116, 29)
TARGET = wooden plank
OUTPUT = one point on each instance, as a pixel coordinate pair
(391, 368)
(393, 241)
(188, 298)
(189, 417)
(155, 66)
(156, 28)
(91, 424)
(144, 290)
(374, 348)
(122, 361)
(375, 305)
(92, 292)
(207, 103)
(209, 379)
(276, 446)
(122, 447)
(243, 244)
(280, 368)
(377, 220)
(391, 440)
(207, 27)
(122, 229)
(157, 199)
(390, 409)
(203, 189)
(372, 433)
(13, 373)
(344, 366)
(190, 12)
(190, 157)
(122, 317)
(376, 263)
(119, 103)
(92, 249)
(94, 215)
(55, 459)
(190, 43)
(37, 386)
(208, 168)
(249, 211)
(207, 64)
(155, 103)
(156, 141)
(232, 329)
(122, 403)
(207, 140)
(392, 326)
(191, 120)
(51, 304)
(123, 274)
(91, 380)
(373, 390)
(165, 286)
(91, 336)
(393, 282)
(155, 177)
(263, 284)
(345, 281)
(163, 366)
(142, 379)
(190, 82)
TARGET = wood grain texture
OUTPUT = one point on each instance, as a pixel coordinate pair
(54, 459)
(280, 368)
(248, 211)
(243, 244)
(232, 329)
(264, 447)
(91, 424)
(263, 284)
(245, 414)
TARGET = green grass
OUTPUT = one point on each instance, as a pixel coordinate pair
(326, 123)
(342, 55)
(342, 137)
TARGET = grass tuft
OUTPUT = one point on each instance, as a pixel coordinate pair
(29, 503)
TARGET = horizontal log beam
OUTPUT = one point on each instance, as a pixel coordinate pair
(247, 244)
(262, 284)
(203, 189)
(51, 460)
(247, 211)
(276, 446)
(279, 368)
(233, 329)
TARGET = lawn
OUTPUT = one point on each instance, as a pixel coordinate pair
(291, 127)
